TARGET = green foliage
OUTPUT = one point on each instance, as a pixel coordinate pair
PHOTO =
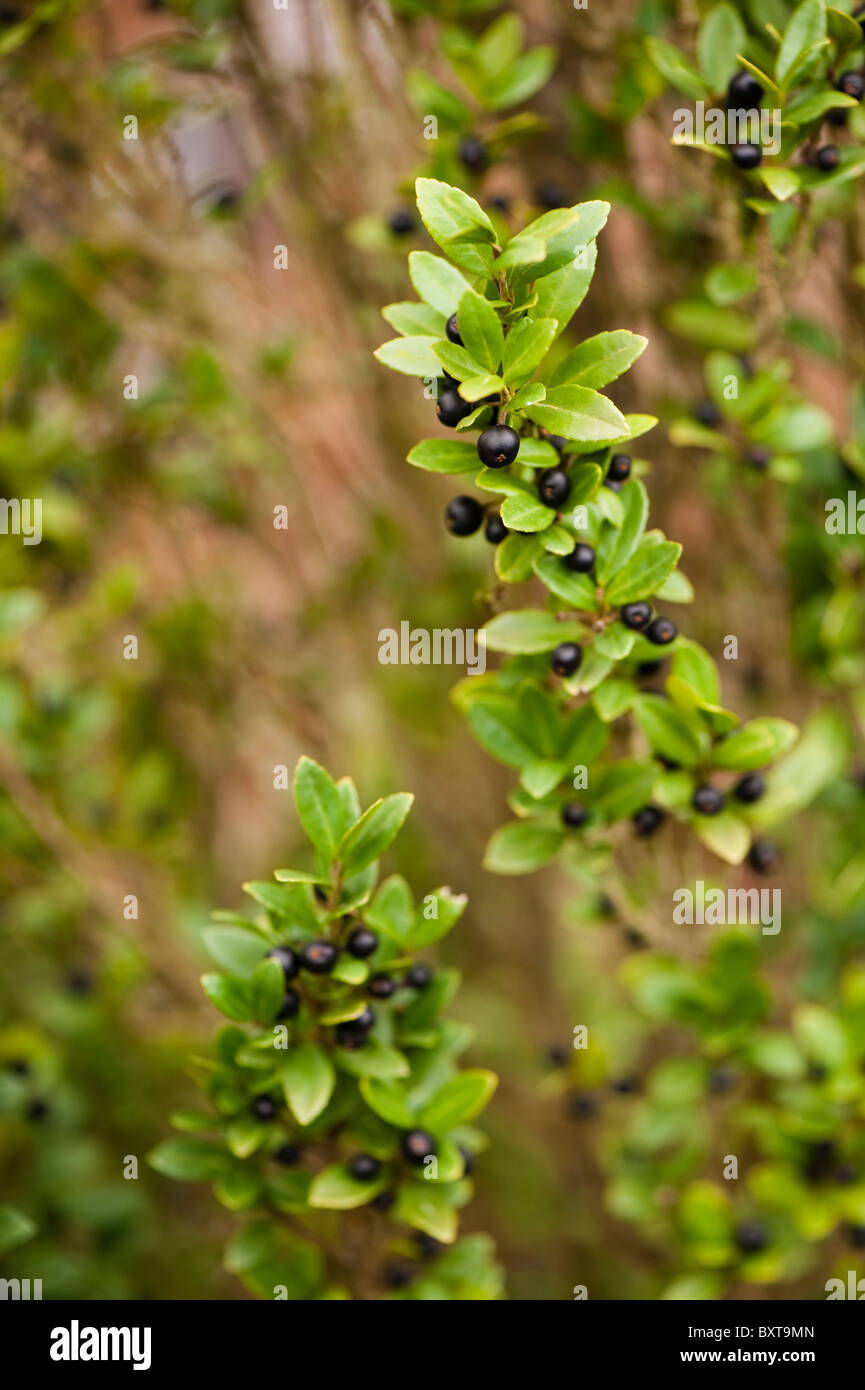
(333, 1092)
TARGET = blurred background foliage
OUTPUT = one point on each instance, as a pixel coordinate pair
(291, 137)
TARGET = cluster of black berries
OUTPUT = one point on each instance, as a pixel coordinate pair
(638, 617)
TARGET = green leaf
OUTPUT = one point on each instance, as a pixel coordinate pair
(599, 360)
(727, 284)
(387, 1099)
(617, 546)
(430, 98)
(646, 570)
(522, 846)
(781, 183)
(498, 727)
(516, 556)
(434, 919)
(560, 294)
(319, 806)
(721, 36)
(623, 788)
(456, 361)
(438, 283)
(481, 330)
(668, 731)
(369, 838)
(613, 698)
(615, 642)
(238, 1188)
(15, 1229)
(414, 320)
(693, 665)
(575, 589)
(807, 27)
(525, 347)
(267, 990)
(236, 950)
(580, 414)
(526, 514)
(675, 67)
(336, 1189)
(308, 1078)
(711, 325)
(812, 107)
(725, 835)
(458, 1101)
(758, 742)
(527, 75)
(413, 356)
(424, 1206)
(232, 997)
(444, 456)
(373, 1059)
(499, 45)
(189, 1160)
(821, 1035)
(457, 223)
(528, 630)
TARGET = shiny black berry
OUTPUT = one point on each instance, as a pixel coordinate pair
(750, 788)
(287, 959)
(751, 1238)
(581, 558)
(708, 801)
(662, 631)
(319, 957)
(707, 413)
(852, 84)
(417, 1146)
(746, 156)
(619, 470)
(381, 987)
(764, 857)
(364, 1167)
(362, 943)
(287, 1155)
(744, 92)
(473, 154)
(827, 158)
(549, 195)
(419, 975)
(463, 516)
(290, 1004)
(554, 487)
(452, 330)
(566, 658)
(636, 616)
(495, 529)
(263, 1108)
(498, 446)
(574, 815)
(451, 408)
(647, 820)
(353, 1033)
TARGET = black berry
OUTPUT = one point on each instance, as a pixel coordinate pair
(397, 1276)
(417, 1146)
(751, 1237)
(353, 1033)
(636, 616)
(419, 975)
(427, 1245)
(37, 1110)
(750, 788)
(384, 1201)
(381, 987)
(473, 154)
(746, 156)
(556, 1056)
(707, 413)
(581, 558)
(758, 457)
(619, 470)
(827, 158)
(566, 658)
(612, 485)
(287, 1155)
(453, 331)
(320, 893)
(463, 516)
(495, 529)
(362, 943)
(364, 1167)
(319, 957)
(574, 815)
(263, 1108)
(401, 222)
(451, 408)
(498, 446)
(721, 1080)
(290, 1004)
(764, 857)
(647, 820)
(856, 1236)
(625, 1085)
(662, 631)
(707, 800)
(554, 487)
(550, 195)
(582, 1107)
(468, 1160)
(287, 959)
(744, 92)
(852, 84)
